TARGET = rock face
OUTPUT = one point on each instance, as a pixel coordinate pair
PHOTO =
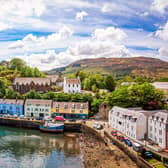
(138, 66)
(97, 155)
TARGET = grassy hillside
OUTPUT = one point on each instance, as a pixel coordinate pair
(136, 66)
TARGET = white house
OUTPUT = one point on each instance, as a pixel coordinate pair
(37, 108)
(130, 121)
(72, 85)
(158, 128)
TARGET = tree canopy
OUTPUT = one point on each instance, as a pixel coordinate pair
(140, 95)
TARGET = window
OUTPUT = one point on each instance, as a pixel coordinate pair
(77, 85)
(150, 128)
(73, 106)
(46, 110)
(160, 140)
(82, 106)
(36, 109)
(28, 109)
(160, 132)
(57, 106)
(73, 85)
(132, 127)
(65, 106)
(81, 111)
(69, 85)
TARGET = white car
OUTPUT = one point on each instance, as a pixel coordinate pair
(95, 125)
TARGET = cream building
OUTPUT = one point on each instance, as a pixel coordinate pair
(158, 128)
(37, 108)
(130, 121)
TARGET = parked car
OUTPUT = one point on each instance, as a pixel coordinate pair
(114, 133)
(148, 155)
(166, 164)
(128, 142)
(120, 138)
(22, 117)
(99, 127)
(137, 147)
(39, 118)
(59, 118)
(15, 116)
(95, 125)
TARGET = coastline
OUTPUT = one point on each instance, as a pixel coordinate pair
(96, 154)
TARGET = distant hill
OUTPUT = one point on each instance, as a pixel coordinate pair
(136, 66)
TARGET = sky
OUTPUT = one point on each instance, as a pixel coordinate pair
(53, 33)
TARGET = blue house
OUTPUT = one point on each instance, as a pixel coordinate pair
(12, 106)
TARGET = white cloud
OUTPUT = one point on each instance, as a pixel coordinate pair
(159, 5)
(4, 26)
(162, 33)
(33, 43)
(108, 7)
(110, 33)
(22, 8)
(80, 15)
(93, 47)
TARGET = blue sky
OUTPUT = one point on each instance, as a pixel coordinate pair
(53, 33)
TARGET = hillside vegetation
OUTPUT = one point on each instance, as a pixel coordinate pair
(119, 67)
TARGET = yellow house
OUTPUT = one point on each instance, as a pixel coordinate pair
(70, 110)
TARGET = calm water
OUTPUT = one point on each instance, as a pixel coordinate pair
(21, 148)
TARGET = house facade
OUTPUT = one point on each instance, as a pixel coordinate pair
(71, 110)
(72, 85)
(23, 85)
(12, 106)
(131, 122)
(37, 108)
(158, 128)
(104, 110)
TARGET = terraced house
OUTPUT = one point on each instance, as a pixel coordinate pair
(158, 128)
(130, 121)
(25, 84)
(70, 110)
(37, 108)
(12, 106)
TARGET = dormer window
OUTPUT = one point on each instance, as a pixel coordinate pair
(65, 106)
(57, 105)
(73, 106)
(82, 106)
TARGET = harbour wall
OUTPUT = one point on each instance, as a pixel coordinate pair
(34, 124)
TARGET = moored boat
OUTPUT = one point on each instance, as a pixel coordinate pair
(52, 127)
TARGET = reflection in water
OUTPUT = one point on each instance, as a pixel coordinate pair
(28, 148)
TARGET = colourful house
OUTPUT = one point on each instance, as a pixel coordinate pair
(37, 108)
(70, 110)
(12, 106)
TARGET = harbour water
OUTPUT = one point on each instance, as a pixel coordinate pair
(22, 148)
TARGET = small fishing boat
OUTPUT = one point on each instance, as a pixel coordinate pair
(52, 127)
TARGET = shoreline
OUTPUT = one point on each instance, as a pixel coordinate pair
(96, 154)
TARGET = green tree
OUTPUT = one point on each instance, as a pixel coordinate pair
(109, 83)
(140, 95)
(32, 95)
(16, 63)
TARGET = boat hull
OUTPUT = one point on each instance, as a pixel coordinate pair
(52, 129)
